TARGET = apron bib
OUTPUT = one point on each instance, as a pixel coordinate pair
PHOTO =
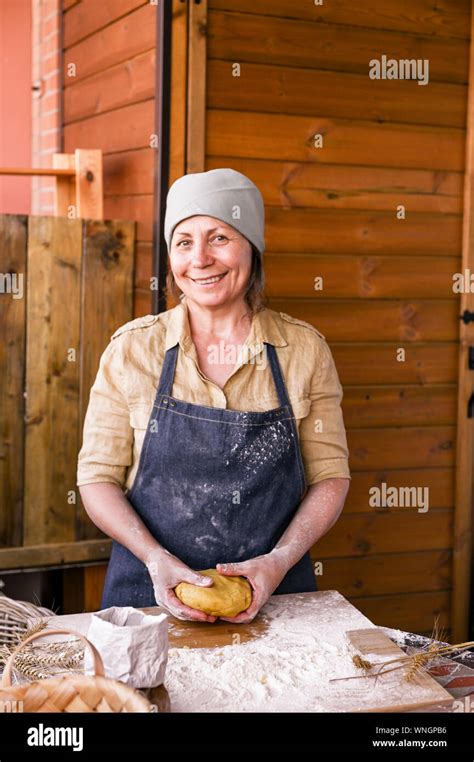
(213, 486)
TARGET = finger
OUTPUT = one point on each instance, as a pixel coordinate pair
(247, 615)
(172, 610)
(186, 611)
(177, 607)
(190, 614)
(234, 570)
(242, 618)
(194, 578)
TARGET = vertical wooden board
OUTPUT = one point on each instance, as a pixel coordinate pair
(12, 368)
(106, 303)
(94, 578)
(463, 520)
(178, 91)
(89, 183)
(65, 188)
(197, 65)
(52, 378)
(82, 588)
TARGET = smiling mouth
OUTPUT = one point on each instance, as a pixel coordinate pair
(208, 281)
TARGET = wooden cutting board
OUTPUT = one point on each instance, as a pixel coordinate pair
(375, 646)
(322, 607)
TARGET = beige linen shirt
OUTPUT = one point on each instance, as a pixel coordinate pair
(123, 393)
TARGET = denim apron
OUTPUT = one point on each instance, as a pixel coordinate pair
(213, 486)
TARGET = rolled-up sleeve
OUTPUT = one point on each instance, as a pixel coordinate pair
(106, 450)
(322, 434)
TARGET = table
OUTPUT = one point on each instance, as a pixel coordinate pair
(203, 635)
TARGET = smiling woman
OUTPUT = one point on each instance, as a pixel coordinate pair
(211, 264)
(210, 259)
(243, 465)
(190, 233)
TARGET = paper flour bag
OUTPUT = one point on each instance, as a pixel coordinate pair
(133, 645)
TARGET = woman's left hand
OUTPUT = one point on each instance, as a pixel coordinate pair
(264, 574)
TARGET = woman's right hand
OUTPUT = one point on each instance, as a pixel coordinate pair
(167, 571)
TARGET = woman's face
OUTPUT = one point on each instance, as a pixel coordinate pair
(211, 261)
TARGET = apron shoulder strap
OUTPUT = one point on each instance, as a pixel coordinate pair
(167, 372)
(277, 375)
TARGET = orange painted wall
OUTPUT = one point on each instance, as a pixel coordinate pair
(15, 103)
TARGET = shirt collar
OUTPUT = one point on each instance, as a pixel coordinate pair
(264, 329)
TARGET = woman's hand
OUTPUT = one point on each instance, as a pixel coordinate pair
(264, 574)
(167, 571)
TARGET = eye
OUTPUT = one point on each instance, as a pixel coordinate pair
(184, 240)
(221, 235)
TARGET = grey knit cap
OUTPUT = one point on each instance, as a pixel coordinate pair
(223, 193)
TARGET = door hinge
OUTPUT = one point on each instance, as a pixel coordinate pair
(467, 317)
(470, 406)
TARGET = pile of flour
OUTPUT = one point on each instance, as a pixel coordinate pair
(286, 669)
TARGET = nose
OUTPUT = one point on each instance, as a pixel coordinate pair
(201, 253)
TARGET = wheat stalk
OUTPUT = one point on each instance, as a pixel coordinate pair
(37, 662)
(414, 662)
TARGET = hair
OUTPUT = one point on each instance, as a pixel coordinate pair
(254, 294)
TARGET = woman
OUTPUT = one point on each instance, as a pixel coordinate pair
(207, 423)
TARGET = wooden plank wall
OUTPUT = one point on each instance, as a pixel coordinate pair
(76, 288)
(109, 103)
(332, 212)
(13, 256)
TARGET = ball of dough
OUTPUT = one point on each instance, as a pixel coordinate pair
(228, 596)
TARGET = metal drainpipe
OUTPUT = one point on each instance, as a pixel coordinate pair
(161, 178)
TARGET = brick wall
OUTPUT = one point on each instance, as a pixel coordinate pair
(46, 94)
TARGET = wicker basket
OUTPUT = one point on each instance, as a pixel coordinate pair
(71, 693)
(17, 616)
